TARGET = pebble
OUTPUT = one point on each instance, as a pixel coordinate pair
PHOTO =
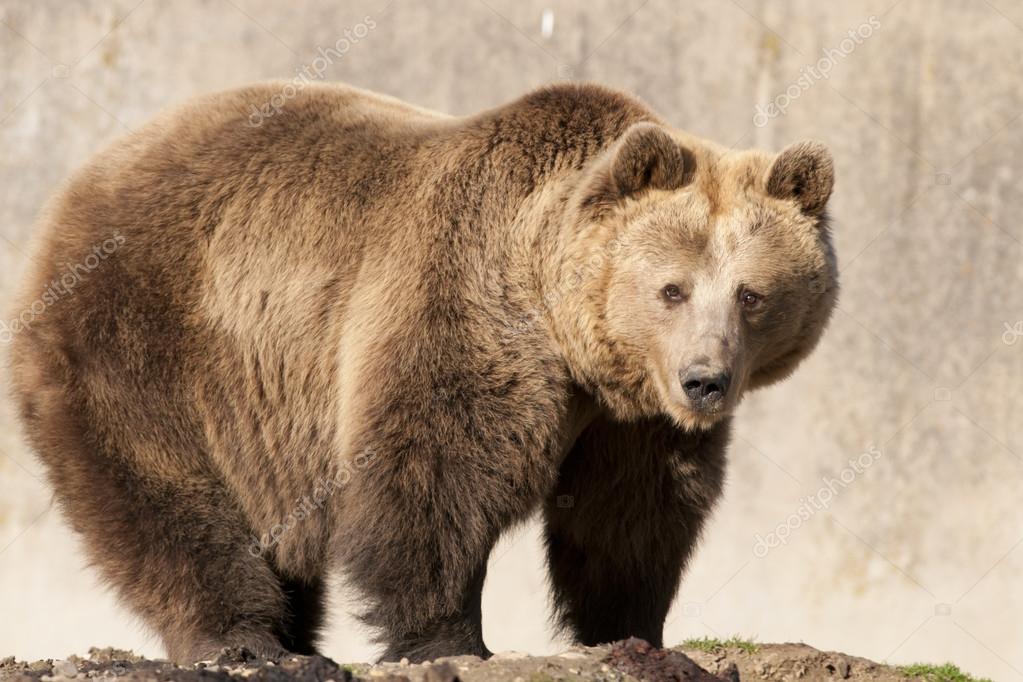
(64, 669)
(573, 655)
(510, 655)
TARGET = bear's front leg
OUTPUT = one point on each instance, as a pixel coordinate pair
(460, 632)
(625, 516)
(420, 520)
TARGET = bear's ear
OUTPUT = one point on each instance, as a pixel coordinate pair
(645, 157)
(805, 173)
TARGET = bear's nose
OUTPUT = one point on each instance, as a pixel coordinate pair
(704, 386)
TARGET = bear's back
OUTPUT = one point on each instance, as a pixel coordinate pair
(178, 231)
(211, 187)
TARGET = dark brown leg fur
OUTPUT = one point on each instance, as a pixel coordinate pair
(626, 515)
(171, 541)
(419, 529)
(305, 614)
(188, 573)
(179, 557)
(420, 561)
(460, 633)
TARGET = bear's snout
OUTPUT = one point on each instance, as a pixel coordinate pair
(705, 386)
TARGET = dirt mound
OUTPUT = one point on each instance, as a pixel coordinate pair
(629, 660)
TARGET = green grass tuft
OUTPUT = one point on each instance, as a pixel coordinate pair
(712, 644)
(938, 673)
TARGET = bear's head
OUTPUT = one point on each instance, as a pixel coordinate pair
(697, 273)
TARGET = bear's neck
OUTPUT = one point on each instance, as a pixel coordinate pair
(552, 130)
(546, 146)
(572, 278)
(525, 161)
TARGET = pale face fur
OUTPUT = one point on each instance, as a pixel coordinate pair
(714, 288)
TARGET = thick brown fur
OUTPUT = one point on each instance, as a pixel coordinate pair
(361, 333)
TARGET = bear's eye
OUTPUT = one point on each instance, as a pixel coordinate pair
(749, 299)
(672, 292)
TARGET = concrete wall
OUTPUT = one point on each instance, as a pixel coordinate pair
(917, 556)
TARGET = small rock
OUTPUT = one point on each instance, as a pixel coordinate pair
(640, 659)
(509, 656)
(840, 666)
(441, 672)
(572, 655)
(64, 669)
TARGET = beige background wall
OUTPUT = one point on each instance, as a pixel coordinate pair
(916, 556)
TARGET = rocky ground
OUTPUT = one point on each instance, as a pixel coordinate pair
(629, 660)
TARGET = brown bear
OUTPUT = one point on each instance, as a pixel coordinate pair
(348, 332)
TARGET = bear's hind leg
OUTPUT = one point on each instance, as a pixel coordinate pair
(159, 528)
(180, 557)
(625, 516)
